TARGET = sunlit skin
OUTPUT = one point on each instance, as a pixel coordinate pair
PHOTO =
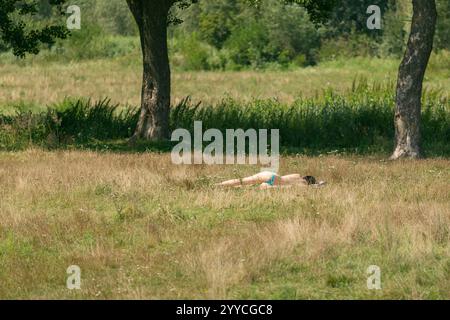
(262, 179)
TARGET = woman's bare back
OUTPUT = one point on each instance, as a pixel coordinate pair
(267, 179)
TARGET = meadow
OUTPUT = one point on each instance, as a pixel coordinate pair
(40, 82)
(140, 227)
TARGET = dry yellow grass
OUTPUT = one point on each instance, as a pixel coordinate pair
(140, 227)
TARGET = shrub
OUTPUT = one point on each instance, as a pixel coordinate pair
(353, 45)
(249, 46)
(189, 53)
(115, 18)
(442, 39)
(90, 43)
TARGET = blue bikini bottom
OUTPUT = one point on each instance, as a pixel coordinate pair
(271, 181)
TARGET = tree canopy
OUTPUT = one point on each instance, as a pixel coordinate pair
(19, 36)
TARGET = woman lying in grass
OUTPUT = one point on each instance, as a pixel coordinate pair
(267, 180)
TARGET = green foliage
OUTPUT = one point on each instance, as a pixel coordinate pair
(249, 45)
(349, 16)
(319, 10)
(190, 53)
(90, 43)
(267, 33)
(216, 20)
(394, 38)
(270, 32)
(353, 45)
(114, 17)
(23, 39)
(292, 33)
(442, 39)
(80, 45)
(239, 34)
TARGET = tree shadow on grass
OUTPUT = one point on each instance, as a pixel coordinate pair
(122, 146)
(384, 149)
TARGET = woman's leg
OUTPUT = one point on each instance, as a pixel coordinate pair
(255, 179)
(265, 186)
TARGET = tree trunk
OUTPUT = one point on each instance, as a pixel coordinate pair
(152, 17)
(410, 80)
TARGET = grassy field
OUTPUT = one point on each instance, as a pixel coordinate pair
(119, 79)
(140, 227)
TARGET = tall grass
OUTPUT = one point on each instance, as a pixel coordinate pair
(141, 227)
(72, 121)
(358, 121)
(361, 119)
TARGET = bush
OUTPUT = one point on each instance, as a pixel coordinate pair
(394, 38)
(90, 43)
(115, 18)
(442, 39)
(249, 37)
(189, 53)
(292, 33)
(249, 46)
(351, 46)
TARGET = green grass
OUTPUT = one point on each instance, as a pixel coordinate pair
(42, 83)
(359, 121)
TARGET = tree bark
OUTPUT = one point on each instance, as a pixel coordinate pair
(152, 18)
(410, 80)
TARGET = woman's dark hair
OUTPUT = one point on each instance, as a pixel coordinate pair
(310, 179)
